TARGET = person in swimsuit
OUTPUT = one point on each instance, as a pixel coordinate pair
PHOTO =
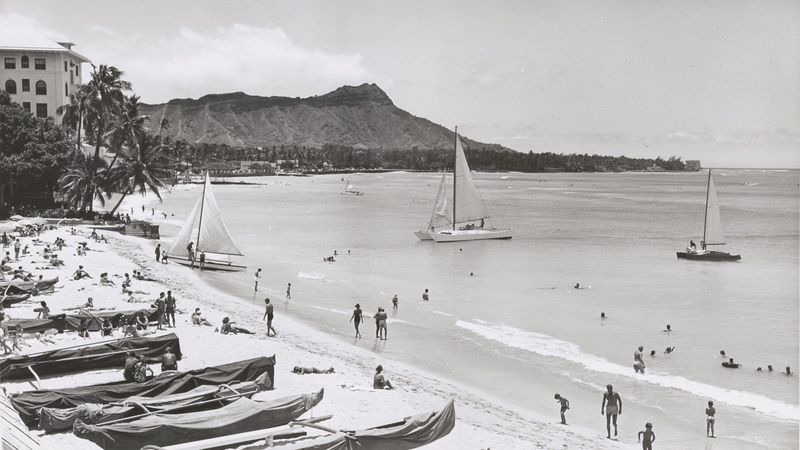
(425, 297)
(395, 302)
(669, 350)
(304, 370)
(168, 360)
(638, 362)
(356, 319)
(289, 291)
(613, 409)
(379, 381)
(788, 371)
(202, 260)
(564, 407)
(383, 332)
(269, 315)
(257, 277)
(710, 412)
(647, 437)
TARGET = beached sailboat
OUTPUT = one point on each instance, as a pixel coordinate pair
(712, 231)
(211, 236)
(350, 190)
(470, 220)
(440, 217)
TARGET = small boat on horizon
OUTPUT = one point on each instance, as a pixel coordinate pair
(212, 237)
(350, 190)
(712, 231)
(470, 220)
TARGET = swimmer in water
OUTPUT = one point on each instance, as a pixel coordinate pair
(668, 329)
(722, 353)
(788, 371)
(669, 350)
(602, 315)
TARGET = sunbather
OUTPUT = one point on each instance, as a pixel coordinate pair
(197, 320)
(379, 381)
(304, 370)
(227, 327)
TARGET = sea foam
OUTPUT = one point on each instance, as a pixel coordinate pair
(545, 345)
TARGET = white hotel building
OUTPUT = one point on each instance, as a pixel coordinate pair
(38, 73)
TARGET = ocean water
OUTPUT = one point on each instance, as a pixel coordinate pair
(504, 316)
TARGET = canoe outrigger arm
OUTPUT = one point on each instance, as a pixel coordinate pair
(36, 376)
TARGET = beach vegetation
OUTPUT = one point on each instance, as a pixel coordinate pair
(142, 166)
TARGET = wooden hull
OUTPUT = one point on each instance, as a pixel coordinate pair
(7, 300)
(28, 285)
(470, 235)
(211, 264)
(709, 256)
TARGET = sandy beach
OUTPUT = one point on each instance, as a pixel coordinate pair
(482, 422)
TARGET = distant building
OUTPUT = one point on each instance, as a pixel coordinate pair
(38, 73)
(693, 165)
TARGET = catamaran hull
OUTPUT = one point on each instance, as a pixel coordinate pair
(210, 264)
(470, 235)
(709, 256)
(423, 235)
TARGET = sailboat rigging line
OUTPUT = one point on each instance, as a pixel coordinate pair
(455, 175)
(705, 217)
(200, 222)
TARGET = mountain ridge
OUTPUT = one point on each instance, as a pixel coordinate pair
(361, 116)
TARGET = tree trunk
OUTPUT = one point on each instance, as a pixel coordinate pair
(124, 194)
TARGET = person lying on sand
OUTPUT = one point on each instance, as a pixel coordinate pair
(304, 370)
(228, 328)
(44, 339)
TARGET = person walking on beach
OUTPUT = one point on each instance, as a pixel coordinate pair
(710, 419)
(611, 408)
(170, 303)
(647, 437)
(268, 315)
(564, 407)
(395, 301)
(356, 319)
(257, 277)
(158, 252)
(638, 362)
(425, 297)
(289, 291)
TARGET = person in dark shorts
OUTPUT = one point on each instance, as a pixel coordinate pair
(612, 410)
(564, 407)
(202, 260)
(158, 252)
(170, 310)
(395, 301)
(268, 315)
(304, 370)
(710, 419)
(356, 319)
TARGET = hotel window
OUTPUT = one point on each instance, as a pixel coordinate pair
(66, 89)
(10, 63)
(65, 66)
(40, 64)
(26, 85)
(41, 110)
(77, 70)
(71, 78)
(11, 86)
(26, 106)
(41, 88)
(24, 63)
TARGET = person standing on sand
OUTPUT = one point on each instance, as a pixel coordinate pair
(17, 246)
(257, 277)
(425, 297)
(268, 315)
(710, 419)
(202, 260)
(190, 251)
(289, 291)
(170, 302)
(377, 324)
(395, 301)
(356, 319)
(649, 437)
(613, 409)
(158, 252)
(161, 305)
(564, 407)
(383, 332)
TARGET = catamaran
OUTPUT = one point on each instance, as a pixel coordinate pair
(350, 190)
(211, 237)
(470, 221)
(712, 231)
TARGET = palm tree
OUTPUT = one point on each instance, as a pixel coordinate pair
(78, 187)
(105, 92)
(141, 167)
(127, 125)
(74, 111)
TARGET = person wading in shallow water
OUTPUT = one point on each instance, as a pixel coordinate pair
(356, 319)
(611, 407)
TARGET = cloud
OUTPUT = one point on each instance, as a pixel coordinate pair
(190, 63)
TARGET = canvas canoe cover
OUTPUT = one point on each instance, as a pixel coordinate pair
(55, 322)
(412, 432)
(71, 322)
(241, 416)
(28, 403)
(61, 419)
(89, 357)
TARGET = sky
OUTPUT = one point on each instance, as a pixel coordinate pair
(717, 81)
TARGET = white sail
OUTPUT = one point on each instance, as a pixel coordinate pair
(713, 222)
(185, 234)
(214, 235)
(440, 217)
(468, 205)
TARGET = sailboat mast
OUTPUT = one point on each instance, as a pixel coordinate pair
(200, 222)
(455, 175)
(705, 217)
